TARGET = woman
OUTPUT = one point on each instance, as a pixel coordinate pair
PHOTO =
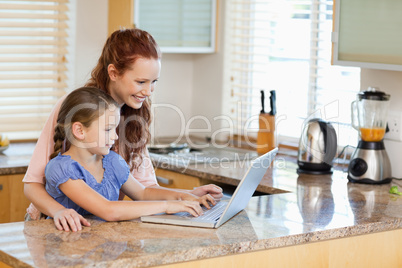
(128, 70)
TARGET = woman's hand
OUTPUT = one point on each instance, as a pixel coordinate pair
(212, 189)
(192, 207)
(206, 200)
(65, 219)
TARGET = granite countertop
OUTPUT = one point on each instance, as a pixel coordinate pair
(302, 209)
(15, 159)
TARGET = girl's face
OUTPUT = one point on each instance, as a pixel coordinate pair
(136, 84)
(101, 134)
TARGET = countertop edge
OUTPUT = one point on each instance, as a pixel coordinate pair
(214, 251)
(13, 170)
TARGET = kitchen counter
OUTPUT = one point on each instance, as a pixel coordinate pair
(15, 159)
(300, 210)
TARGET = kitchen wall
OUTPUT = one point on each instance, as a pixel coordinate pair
(88, 37)
(189, 93)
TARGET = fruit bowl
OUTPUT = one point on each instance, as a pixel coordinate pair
(4, 142)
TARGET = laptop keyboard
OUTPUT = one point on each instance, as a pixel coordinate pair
(209, 214)
(214, 213)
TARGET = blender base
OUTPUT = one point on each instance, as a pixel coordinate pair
(370, 164)
(313, 172)
(370, 181)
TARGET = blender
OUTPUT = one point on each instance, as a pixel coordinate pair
(370, 162)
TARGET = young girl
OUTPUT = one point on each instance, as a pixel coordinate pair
(128, 70)
(88, 176)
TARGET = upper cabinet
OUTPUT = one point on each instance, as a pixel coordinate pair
(367, 34)
(179, 26)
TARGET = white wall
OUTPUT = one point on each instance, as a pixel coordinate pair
(391, 83)
(192, 85)
(172, 98)
(89, 37)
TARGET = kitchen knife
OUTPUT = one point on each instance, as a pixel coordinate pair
(266, 122)
(262, 102)
(272, 100)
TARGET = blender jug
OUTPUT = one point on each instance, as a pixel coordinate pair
(370, 110)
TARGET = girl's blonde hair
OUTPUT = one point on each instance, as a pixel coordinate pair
(83, 105)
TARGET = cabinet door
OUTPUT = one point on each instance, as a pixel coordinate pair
(176, 180)
(18, 200)
(179, 26)
(13, 203)
(4, 200)
(367, 34)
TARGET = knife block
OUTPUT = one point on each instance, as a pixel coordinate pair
(266, 133)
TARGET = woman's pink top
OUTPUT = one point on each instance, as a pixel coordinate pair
(145, 174)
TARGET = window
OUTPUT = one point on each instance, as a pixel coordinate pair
(33, 51)
(285, 45)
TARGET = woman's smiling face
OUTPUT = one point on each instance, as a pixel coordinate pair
(136, 84)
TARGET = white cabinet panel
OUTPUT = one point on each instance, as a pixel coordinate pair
(367, 33)
(179, 26)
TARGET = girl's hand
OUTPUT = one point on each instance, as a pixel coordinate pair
(212, 189)
(65, 219)
(192, 207)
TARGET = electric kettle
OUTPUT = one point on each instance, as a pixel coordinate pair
(317, 147)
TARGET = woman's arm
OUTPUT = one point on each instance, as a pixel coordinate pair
(64, 219)
(145, 174)
(136, 191)
(87, 198)
(212, 189)
(209, 189)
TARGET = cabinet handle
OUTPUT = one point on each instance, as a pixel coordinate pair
(164, 181)
(1, 187)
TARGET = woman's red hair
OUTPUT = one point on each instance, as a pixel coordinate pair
(122, 49)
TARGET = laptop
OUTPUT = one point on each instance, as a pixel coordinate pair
(224, 210)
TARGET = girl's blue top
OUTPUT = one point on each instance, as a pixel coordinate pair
(62, 168)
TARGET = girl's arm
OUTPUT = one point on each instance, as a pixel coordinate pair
(64, 219)
(87, 198)
(34, 183)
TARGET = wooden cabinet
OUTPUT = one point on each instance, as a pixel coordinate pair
(3, 265)
(13, 203)
(370, 250)
(4, 200)
(120, 14)
(171, 179)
